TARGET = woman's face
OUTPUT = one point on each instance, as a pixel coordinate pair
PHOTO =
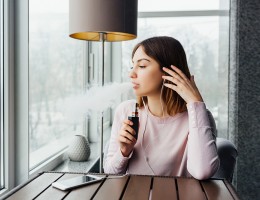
(146, 76)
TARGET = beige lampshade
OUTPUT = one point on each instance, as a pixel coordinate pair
(116, 18)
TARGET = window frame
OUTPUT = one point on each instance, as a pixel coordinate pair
(2, 185)
(8, 96)
(20, 55)
(191, 13)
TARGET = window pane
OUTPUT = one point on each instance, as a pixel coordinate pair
(95, 64)
(200, 39)
(1, 99)
(176, 5)
(56, 71)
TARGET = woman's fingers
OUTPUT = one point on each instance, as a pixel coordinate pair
(171, 79)
(179, 82)
(127, 127)
(127, 132)
(173, 74)
(193, 81)
(171, 86)
(123, 139)
(179, 72)
(126, 138)
(127, 135)
(128, 122)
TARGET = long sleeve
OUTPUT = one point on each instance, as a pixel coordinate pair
(202, 159)
(115, 162)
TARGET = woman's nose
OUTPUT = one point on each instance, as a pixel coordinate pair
(132, 73)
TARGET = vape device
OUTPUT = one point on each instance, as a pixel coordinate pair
(135, 119)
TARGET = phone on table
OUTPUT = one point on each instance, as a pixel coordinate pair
(76, 182)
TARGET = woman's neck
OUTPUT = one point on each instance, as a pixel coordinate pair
(156, 107)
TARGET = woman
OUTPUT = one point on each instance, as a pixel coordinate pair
(176, 133)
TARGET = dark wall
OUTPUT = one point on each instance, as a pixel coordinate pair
(244, 94)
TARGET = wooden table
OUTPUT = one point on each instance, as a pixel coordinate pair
(133, 187)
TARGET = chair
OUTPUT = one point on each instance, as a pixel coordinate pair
(227, 152)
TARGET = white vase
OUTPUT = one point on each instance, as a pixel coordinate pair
(79, 149)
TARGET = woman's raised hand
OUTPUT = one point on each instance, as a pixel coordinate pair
(185, 87)
(126, 138)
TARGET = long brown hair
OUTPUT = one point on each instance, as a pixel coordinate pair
(166, 51)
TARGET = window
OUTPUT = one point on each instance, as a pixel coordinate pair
(204, 36)
(1, 99)
(95, 65)
(60, 68)
(176, 5)
(56, 71)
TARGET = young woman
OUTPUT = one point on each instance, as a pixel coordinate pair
(176, 132)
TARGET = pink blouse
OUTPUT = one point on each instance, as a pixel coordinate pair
(182, 145)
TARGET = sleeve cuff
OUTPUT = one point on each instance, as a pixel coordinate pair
(120, 159)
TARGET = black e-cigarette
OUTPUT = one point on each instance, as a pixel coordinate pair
(135, 119)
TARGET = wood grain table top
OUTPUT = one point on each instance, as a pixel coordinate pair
(132, 187)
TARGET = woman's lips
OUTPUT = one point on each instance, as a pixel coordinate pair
(135, 85)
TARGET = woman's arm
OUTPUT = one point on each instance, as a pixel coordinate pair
(203, 159)
(115, 162)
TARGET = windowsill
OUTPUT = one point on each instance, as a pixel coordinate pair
(3, 191)
(71, 166)
(87, 166)
(48, 151)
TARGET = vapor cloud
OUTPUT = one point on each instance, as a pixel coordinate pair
(96, 98)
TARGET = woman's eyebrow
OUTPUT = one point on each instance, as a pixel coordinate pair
(141, 60)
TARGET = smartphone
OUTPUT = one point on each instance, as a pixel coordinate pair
(76, 182)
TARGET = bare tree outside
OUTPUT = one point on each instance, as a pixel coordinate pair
(55, 72)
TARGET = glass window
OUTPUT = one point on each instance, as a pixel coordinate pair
(1, 99)
(176, 5)
(60, 69)
(200, 37)
(95, 66)
(56, 71)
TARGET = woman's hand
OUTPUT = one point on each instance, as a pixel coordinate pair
(126, 138)
(186, 88)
